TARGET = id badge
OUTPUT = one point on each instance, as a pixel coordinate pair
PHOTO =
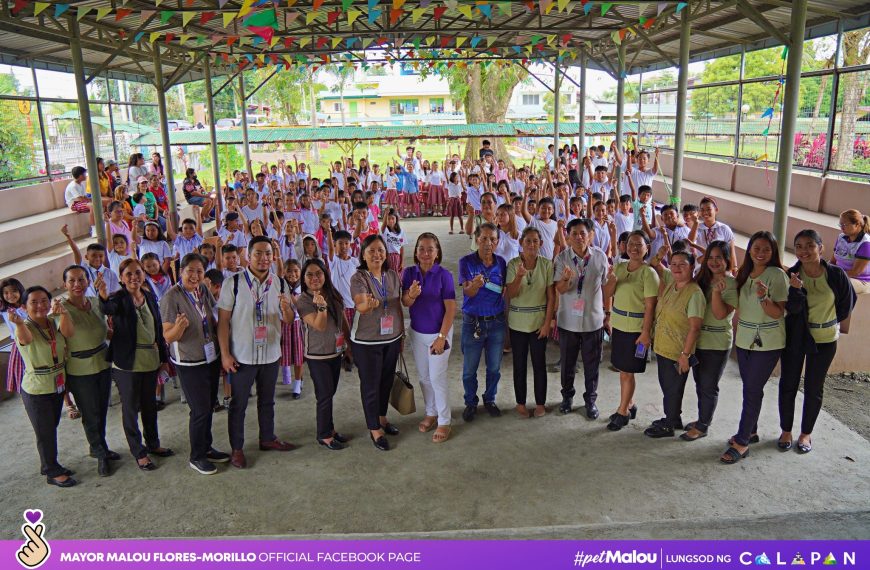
(578, 308)
(493, 287)
(210, 352)
(386, 325)
(260, 335)
(59, 383)
(339, 342)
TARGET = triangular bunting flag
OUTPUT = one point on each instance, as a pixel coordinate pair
(562, 4)
(398, 4)
(206, 17)
(182, 39)
(430, 40)
(767, 113)
(265, 32)
(346, 4)
(460, 40)
(332, 17)
(152, 37)
(317, 4)
(374, 14)
(465, 11)
(335, 42)
(247, 5)
(587, 7)
(39, 7)
(765, 132)
(311, 16)
(144, 15)
(169, 38)
(490, 40)
(82, 11)
(438, 12)
(290, 17)
(761, 158)
(138, 37)
(395, 14)
(231, 40)
(660, 7)
(60, 10)
(228, 17)
(605, 7)
(166, 15)
(373, 3)
(304, 42)
(649, 23)
(352, 15)
(264, 18)
(416, 14)
(475, 41)
(186, 17)
(680, 6)
(122, 13)
(486, 10)
(505, 9)
(366, 42)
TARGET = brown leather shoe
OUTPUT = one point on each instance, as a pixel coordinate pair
(238, 459)
(276, 445)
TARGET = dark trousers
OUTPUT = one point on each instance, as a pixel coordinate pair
(523, 343)
(376, 364)
(673, 385)
(92, 394)
(199, 383)
(814, 384)
(324, 375)
(265, 376)
(137, 396)
(756, 366)
(707, 373)
(44, 410)
(586, 345)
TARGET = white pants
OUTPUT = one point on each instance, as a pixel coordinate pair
(432, 370)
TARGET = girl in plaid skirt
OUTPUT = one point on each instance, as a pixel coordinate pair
(12, 291)
(437, 191)
(292, 348)
(394, 238)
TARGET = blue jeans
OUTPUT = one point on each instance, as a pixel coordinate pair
(492, 341)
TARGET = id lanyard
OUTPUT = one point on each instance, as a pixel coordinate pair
(199, 304)
(581, 272)
(380, 287)
(51, 339)
(260, 299)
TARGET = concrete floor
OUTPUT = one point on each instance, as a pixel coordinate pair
(551, 477)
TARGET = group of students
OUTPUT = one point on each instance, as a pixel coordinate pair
(310, 271)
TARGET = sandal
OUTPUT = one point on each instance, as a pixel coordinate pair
(692, 434)
(732, 456)
(427, 423)
(442, 434)
(752, 439)
(73, 412)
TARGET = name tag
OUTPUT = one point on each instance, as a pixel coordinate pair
(210, 352)
(387, 325)
(260, 335)
(578, 308)
(493, 287)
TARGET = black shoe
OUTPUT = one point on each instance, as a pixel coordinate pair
(617, 422)
(218, 408)
(566, 406)
(632, 412)
(381, 443)
(340, 437)
(203, 466)
(67, 472)
(336, 445)
(592, 411)
(104, 468)
(390, 429)
(492, 409)
(165, 452)
(660, 429)
(161, 405)
(216, 456)
(664, 422)
(469, 412)
(296, 395)
(112, 456)
(70, 482)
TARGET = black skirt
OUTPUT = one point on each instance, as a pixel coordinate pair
(622, 348)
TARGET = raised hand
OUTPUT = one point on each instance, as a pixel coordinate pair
(14, 317)
(521, 269)
(478, 281)
(318, 299)
(57, 307)
(795, 280)
(719, 285)
(611, 275)
(567, 274)
(415, 290)
(761, 289)
(371, 302)
(286, 305)
(101, 287)
(35, 550)
(181, 321)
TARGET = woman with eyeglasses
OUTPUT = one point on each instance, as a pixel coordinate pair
(762, 288)
(634, 286)
(679, 313)
(325, 332)
(376, 334)
(430, 295)
(42, 344)
(531, 302)
(820, 297)
(852, 250)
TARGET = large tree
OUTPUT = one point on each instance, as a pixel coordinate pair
(485, 92)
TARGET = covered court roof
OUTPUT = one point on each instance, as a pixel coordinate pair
(388, 132)
(118, 39)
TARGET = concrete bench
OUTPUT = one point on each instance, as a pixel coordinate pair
(806, 190)
(24, 237)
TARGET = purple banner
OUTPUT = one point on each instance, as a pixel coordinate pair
(36, 544)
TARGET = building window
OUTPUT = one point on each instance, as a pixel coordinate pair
(336, 107)
(436, 105)
(404, 107)
(533, 99)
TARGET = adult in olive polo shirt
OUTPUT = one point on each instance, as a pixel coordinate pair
(89, 376)
(42, 345)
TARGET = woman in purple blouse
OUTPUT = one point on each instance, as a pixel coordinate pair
(430, 294)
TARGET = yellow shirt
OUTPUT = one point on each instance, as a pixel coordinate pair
(752, 318)
(41, 371)
(632, 289)
(718, 334)
(674, 309)
(822, 310)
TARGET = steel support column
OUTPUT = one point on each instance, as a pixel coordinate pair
(41, 124)
(791, 101)
(212, 135)
(245, 141)
(739, 105)
(581, 108)
(75, 47)
(832, 112)
(557, 84)
(620, 110)
(682, 111)
(164, 136)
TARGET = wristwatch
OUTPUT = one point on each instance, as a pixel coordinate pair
(442, 337)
